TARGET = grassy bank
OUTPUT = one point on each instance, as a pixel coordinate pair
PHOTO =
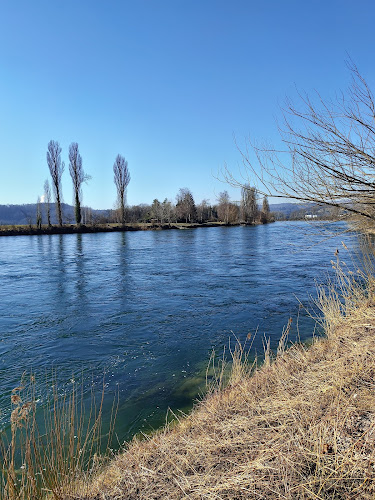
(300, 426)
(105, 228)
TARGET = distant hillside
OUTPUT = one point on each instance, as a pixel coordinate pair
(298, 211)
(26, 214)
(284, 208)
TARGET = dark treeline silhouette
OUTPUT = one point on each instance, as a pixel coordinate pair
(185, 210)
(156, 213)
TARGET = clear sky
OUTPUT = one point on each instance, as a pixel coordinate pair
(166, 83)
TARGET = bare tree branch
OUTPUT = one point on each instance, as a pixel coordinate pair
(329, 155)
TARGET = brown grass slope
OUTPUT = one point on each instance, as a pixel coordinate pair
(302, 426)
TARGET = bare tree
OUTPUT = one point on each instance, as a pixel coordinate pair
(249, 207)
(56, 168)
(38, 214)
(47, 201)
(156, 211)
(265, 205)
(86, 213)
(233, 213)
(329, 154)
(265, 213)
(78, 178)
(185, 206)
(223, 207)
(167, 210)
(122, 179)
(137, 213)
(203, 211)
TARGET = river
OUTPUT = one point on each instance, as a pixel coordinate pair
(145, 309)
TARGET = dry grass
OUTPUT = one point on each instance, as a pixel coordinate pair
(46, 450)
(301, 426)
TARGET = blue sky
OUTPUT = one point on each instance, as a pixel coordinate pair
(167, 84)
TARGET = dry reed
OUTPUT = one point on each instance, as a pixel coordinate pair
(45, 450)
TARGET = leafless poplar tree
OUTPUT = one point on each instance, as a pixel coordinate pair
(265, 205)
(122, 179)
(56, 168)
(78, 178)
(265, 213)
(38, 214)
(249, 207)
(47, 201)
(329, 154)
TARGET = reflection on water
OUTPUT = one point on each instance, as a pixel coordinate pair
(147, 308)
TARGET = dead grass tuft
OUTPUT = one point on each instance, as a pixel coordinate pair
(49, 446)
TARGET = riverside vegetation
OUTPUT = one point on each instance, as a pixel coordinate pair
(160, 215)
(106, 228)
(300, 425)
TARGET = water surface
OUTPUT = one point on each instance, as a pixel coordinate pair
(147, 308)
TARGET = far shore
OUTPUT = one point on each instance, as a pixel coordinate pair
(107, 228)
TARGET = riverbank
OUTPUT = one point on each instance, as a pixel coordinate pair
(301, 426)
(107, 228)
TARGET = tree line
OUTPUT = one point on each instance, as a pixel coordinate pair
(56, 168)
(185, 209)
